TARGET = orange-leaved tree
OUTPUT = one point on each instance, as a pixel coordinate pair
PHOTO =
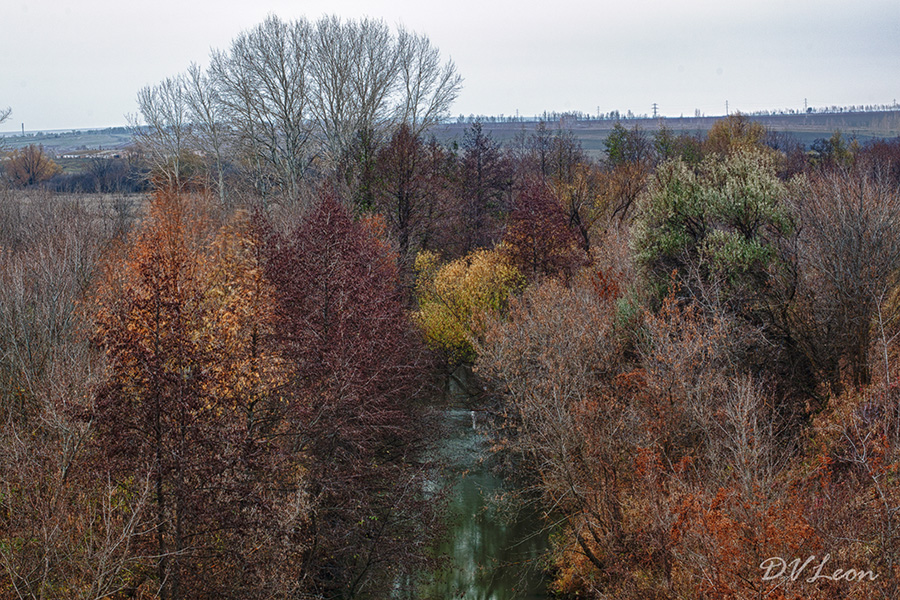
(186, 400)
(30, 166)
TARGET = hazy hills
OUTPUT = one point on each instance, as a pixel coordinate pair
(592, 132)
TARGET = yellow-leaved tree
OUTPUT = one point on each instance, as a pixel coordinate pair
(455, 299)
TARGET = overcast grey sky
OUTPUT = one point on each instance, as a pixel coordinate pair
(69, 64)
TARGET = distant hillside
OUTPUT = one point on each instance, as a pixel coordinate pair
(63, 142)
(806, 128)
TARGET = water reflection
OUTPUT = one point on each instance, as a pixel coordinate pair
(491, 557)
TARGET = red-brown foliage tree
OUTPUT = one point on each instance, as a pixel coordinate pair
(402, 191)
(538, 239)
(485, 175)
(354, 378)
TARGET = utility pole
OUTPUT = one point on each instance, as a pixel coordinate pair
(654, 110)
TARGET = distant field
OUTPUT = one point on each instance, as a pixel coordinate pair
(806, 128)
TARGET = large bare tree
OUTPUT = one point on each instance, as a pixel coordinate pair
(263, 86)
(427, 87)
(354, 67)
(163, 128)
(210, 128)
(293, 97)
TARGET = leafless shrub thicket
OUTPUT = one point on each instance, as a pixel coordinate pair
(66, 529)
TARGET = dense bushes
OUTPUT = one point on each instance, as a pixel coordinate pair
(725, 408)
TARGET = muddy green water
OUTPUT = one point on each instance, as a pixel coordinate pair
(491, 556)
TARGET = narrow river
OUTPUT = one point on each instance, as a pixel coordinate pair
(490, 558)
